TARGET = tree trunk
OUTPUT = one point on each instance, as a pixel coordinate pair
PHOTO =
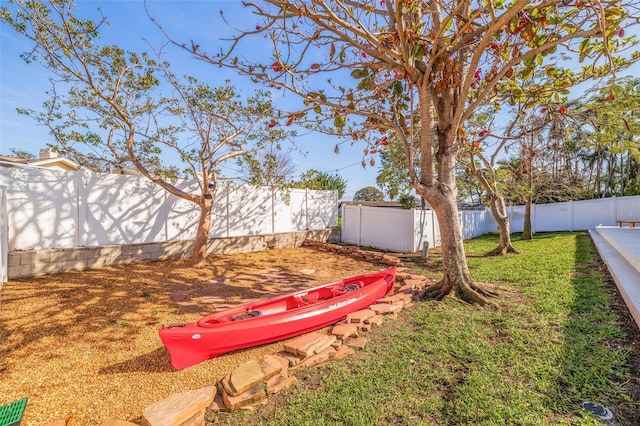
(199, 255)
(527, 230)
(457, 280)
(441, 193)
(499, 212)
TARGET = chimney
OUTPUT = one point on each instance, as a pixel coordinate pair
(47, 153)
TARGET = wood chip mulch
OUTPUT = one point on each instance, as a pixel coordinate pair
(84, 348)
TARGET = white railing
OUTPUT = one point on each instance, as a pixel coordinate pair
(406, 230)
(52, 209)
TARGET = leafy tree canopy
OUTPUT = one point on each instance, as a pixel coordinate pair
(368, 193)
(314, 179)
(21, 153)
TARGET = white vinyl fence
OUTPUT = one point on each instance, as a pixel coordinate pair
(406, 230)
(4, 238)
(402, 230)
(49, 209)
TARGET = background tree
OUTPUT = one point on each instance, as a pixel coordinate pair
(609, 140)
(393, 177)
(469, 190)
(21, 153)
(534, 176)
(479, 160)
(368, 193)
(268, 167)
(314, 179)
(408, 201)
(418, 65)
(108, 106)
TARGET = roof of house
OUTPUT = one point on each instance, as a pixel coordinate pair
(46, 160)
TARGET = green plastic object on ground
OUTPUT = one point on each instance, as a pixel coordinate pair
(11, 414)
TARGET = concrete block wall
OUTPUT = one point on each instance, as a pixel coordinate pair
(29, 263)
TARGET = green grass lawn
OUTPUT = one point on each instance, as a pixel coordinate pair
(552, 341)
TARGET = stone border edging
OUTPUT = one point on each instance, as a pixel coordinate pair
(355, 252)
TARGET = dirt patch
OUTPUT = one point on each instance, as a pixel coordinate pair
(84, 345)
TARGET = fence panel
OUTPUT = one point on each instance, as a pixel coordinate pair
(380, 227)
(123, 209)
(552, 217)
(425, 229)
(350, 231)
(181, 217)
(627, 208)
(589, 213)
(516, 218)
(4, 236)
(249, 210)
(473, 223)
(392, 229)
(42, 209)
(321, 209)
(290, 210)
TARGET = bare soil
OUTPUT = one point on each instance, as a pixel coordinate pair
(83, 346)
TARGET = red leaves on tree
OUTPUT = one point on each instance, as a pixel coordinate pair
(563, 110)
(483, 132)
(276, 67)
(611, 97)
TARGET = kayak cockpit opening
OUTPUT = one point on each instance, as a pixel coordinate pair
(250, 314)
(350, 287)
(347, 288)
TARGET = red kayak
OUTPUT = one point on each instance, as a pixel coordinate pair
(274, 319)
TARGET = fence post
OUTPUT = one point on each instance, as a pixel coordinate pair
(306, 207)
(337, 209)
(273, 210)
(81, 207)
(359, 224)
(227, 205)
(4, 237)
(571, 215)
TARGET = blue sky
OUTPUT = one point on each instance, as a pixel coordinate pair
(24, 85)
